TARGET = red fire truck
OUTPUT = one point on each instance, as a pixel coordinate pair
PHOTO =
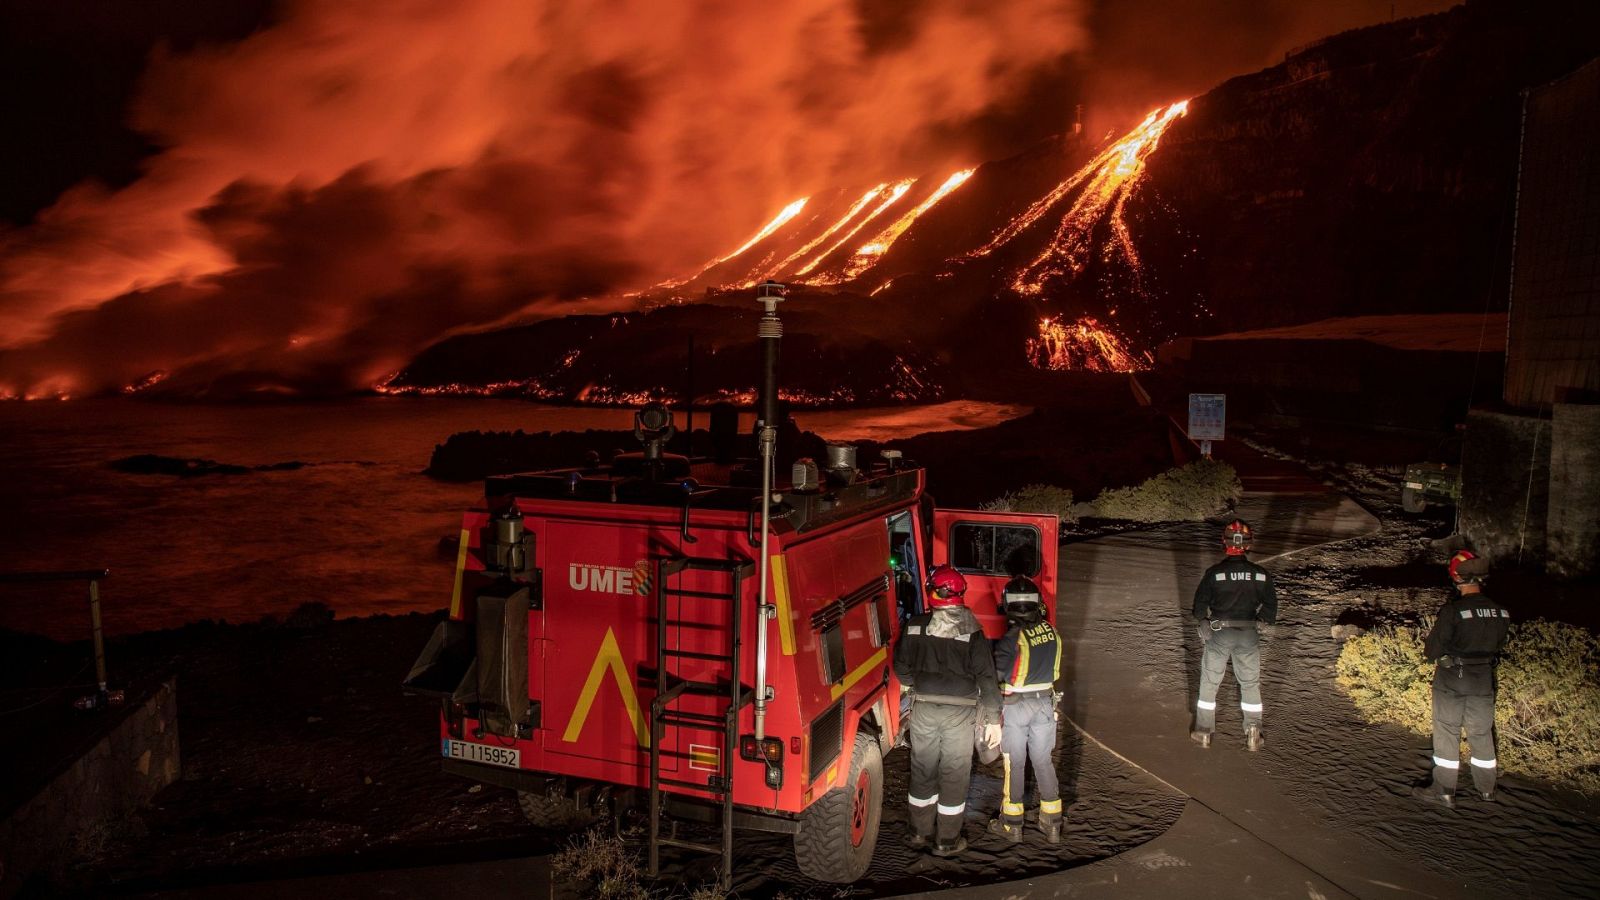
(702, 640)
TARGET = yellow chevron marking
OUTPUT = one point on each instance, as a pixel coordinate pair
(609, 658)
(861, 672)
(780, 592)
(461, 571)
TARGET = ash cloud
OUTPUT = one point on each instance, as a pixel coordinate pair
(360, 178)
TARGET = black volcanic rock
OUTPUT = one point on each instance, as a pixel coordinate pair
(1369, 172)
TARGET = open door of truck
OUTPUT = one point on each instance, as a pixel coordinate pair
(990, 548)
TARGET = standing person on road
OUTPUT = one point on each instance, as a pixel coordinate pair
(1466, 640)
(944, 658)
(1028, 661)
(1233, 596)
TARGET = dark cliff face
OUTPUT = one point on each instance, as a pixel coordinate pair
(1370, 172)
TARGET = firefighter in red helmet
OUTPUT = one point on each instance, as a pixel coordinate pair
(944, 658)
(1233, 597)
(1465, 643)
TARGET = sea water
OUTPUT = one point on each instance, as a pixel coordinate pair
(357, 527)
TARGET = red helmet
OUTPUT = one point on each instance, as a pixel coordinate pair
(946, 587)
(1466, 567)
(1236, 537)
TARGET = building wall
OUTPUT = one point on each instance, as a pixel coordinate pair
(1553, 350)
(92, 796)
(1573, 522)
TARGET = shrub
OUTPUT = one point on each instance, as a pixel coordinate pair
(1035, 498)
(1192, 492)
(1547, 714)
(603, 866)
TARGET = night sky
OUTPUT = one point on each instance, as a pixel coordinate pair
(303, 194)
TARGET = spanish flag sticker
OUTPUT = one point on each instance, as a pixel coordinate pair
(705, 757)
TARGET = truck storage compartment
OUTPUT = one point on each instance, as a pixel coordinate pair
(502, 670)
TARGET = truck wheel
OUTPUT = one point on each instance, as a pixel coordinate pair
(839, 831)
(547, 811)
(1411, 501)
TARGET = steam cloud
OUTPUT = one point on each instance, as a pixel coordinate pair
(351, 184)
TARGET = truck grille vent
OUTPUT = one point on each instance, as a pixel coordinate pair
(827, 740)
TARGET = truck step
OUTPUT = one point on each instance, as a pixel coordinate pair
(694, 785)
(695, 654)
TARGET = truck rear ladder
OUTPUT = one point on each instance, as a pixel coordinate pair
(670, 688)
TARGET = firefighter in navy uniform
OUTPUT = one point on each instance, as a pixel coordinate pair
(1466, 641)
(1028, 661)
(945, 660)
(1234, 595)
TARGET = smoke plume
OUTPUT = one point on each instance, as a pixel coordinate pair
(362, 177)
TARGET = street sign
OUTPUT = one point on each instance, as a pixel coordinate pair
(1208, 417)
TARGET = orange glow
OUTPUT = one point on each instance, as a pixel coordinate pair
(897, 191)
(844, 220)
(148, 381)
(778, 221)
(1103, 186)
(869, 253)
(1084, 345)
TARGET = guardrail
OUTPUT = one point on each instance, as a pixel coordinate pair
(102, 696)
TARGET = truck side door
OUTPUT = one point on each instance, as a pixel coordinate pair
(989, 548)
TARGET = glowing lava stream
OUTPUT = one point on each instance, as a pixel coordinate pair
(897, 191)
(869, 253)
(794, 257)
(1106, 182)
(778, 221)
(1082, 345)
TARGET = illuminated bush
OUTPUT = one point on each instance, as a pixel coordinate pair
(1035, 498)
(1188, 493)
(1547, 716)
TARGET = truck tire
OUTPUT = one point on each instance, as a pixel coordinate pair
(838, 832)
(546, 810)
(1411, 501)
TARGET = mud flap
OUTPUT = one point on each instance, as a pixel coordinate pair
(502, 664)
(445, 661)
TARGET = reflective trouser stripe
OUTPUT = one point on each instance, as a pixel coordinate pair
(1050, 807)
(1250, 707)
(1206, 704)
(1025, 689)
(956, 810)
(1011, 809)
(920, 802)
(1484, 763)
(1443, 763)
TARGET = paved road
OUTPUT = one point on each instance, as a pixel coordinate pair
(1230, 842)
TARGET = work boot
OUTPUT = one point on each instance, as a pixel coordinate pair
(1253, 738)
(1051, 826)
(1010, 831)
(957, 846)
(916, 841)
(1203, 738)
(1431, 794)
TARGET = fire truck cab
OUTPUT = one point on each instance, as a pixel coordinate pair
(610, 639)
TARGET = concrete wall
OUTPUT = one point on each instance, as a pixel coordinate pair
(137, 757)
(1505, 484)
(1573, 522)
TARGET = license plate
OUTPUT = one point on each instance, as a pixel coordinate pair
(1414, 485)
(508, 757)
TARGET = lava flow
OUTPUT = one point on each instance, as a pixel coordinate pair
(1084, 345)
(1102, 188)
(778, 221)
(897, 191)
(869, 253)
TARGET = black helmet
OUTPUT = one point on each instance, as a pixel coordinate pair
(1021, 601)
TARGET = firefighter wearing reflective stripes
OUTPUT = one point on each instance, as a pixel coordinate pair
(1233, 596)
(1465, 643)
(944, 658)
(1028, 661)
